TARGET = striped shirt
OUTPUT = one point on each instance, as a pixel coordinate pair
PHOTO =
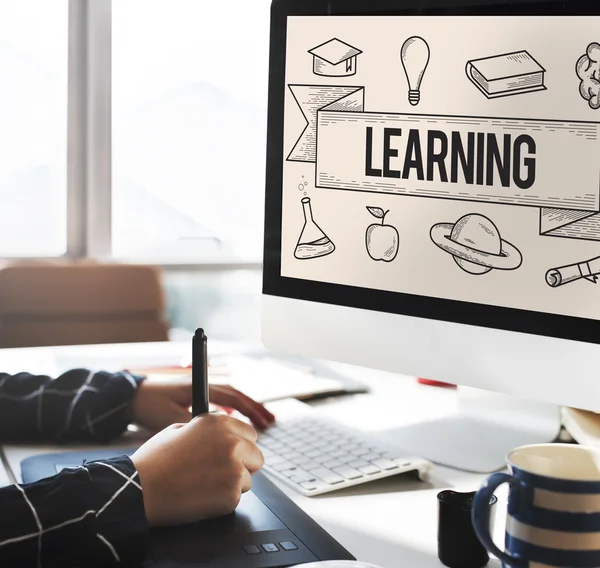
(90, 516)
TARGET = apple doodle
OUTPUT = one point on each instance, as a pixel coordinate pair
(382, 240)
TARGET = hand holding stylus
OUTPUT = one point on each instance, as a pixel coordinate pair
(199, 469)
(162, 402)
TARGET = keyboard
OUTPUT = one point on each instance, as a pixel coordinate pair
(313, 454)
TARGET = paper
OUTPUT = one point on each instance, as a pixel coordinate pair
(267, 380)
(263, 380)
(588, 270)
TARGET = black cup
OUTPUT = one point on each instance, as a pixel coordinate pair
(458, 545)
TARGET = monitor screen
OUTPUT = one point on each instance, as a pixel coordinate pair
(441, 166)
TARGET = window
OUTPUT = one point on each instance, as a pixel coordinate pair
(164, 100)
(33, 127)
(189, 102)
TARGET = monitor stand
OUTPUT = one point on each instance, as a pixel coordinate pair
(485, 428)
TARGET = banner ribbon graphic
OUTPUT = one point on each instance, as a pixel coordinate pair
(552, 165)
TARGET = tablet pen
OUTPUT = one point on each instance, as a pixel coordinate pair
(199, 374)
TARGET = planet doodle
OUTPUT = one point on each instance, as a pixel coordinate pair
(476, 245)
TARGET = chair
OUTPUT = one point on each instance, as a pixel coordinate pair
(70, 303)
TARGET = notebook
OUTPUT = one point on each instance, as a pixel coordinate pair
(269, 378)
(506, 74)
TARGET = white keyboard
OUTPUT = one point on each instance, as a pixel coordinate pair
(315, 455)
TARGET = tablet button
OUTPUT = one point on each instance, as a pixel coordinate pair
(270, 548)
(288, 546)
(252, 549)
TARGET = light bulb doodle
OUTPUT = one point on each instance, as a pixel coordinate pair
(415, 59)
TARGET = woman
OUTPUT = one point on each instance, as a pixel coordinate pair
(99, 513)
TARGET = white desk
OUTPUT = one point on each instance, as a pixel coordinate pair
(391, 523)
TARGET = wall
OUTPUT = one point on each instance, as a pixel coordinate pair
(225, 302)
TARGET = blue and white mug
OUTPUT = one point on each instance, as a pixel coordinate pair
(553, 507)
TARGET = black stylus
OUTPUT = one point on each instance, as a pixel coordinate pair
(199, 374)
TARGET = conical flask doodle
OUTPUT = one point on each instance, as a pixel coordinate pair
(313, 242)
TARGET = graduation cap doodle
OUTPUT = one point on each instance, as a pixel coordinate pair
(335, 58)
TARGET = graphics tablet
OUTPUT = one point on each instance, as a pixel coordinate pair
(267, 530)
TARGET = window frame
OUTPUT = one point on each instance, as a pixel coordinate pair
(89, 147)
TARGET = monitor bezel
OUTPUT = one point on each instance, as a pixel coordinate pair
(454, 311)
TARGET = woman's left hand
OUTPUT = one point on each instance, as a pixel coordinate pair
(159, 403)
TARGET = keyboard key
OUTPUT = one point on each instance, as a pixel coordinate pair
(291, 455)
(339, 453)
(274, 460)
(291, 472)
(288, 545)
(401, 461)
(302, 460)
(270, 547)
(300, 478)
(358, 464)
(369, 470)
(310, 465)
(309, 485)
(370, 457)
(276, 434)
(359, 452)
(385, 464)
(327, 476)
(283, 466)
(348, 459)
(252, 549)
(313, 453)
(333, 463)
(348, 472)
(321, 458)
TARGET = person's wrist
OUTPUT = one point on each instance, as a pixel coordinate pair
(148, 491)
(138, 401)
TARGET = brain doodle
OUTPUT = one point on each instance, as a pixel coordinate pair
(588, 70)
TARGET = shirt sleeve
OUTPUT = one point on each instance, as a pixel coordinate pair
(89, 516)
(80, 405)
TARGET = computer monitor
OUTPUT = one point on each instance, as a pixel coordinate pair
(433, 204)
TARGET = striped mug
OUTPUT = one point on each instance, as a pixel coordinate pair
(553, 507)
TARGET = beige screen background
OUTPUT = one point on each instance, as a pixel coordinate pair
(544, 254)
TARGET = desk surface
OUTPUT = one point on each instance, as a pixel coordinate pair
(391, 523)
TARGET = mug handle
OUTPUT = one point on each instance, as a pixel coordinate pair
(481, 517)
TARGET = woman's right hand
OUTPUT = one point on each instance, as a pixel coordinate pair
(197, 470)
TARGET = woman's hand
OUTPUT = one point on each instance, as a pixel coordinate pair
(197, 470)
(228, 397)
(162, 402)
